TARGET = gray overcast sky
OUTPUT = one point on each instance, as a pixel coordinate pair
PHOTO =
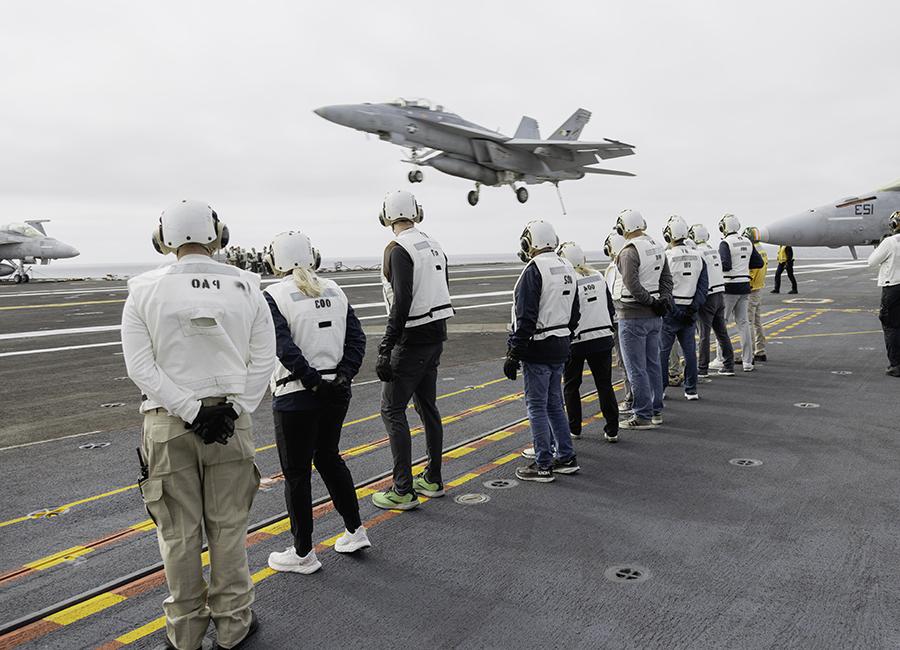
(112, 110)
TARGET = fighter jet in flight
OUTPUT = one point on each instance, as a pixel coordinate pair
(452, 145)
(26, 243)
(851, 221)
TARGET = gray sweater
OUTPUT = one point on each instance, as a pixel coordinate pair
(628, 262)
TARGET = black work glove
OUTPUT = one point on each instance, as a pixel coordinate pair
(341, 384)
(511, 366)
(334, 392)
(214, 423)
(383, 366)
(688, 314)
(660, 307)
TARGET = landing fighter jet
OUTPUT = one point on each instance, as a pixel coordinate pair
(851, 221)
(461, 148)
(26, 243)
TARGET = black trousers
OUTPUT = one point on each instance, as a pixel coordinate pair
(304, 437)
(890, 322)
(789, 266)
(600, 364)
(415, 377)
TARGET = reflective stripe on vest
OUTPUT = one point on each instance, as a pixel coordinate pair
(318, 327)
(713, 268)
(557, 296)
(685, 264)
(595, 322)
(741, 249)
(431, 295)
(649, 271)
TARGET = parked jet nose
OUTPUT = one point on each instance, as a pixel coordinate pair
(66, 250)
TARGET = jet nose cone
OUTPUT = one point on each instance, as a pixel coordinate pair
(69, 251)
(330, 113)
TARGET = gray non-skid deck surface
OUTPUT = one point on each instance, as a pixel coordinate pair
(798, 552)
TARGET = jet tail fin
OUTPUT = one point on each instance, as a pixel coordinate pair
(571, 128)
(528, 129)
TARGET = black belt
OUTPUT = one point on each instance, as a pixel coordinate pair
(595, 329)
(430, 312)
(295, 377)
(550, 329)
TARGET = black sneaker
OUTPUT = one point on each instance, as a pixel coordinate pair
(760, 357)
(611, 437)
(532, 472)
(576, 434)
(792, 291)
(893, 371)
(774, 291)
(565, 466)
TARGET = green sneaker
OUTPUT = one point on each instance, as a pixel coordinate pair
(390, 500)
(423, 486)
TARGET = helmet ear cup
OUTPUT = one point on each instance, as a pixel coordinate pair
(420, 213)
(667, 235)
(157, 239)
(317, 259)
(620, 227)
(269, 261)
(382, 219)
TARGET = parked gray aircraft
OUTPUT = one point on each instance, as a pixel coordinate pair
(25, 243)
(461, 148)
(852, 221)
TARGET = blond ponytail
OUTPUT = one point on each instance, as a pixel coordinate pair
(584, 270)
(308, 282)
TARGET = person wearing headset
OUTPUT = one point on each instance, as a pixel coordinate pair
(611, 247)
(738, 257)
(712, 314)
(642, 294)
(198, 342)
(416, 289)
(886, 258)
(320, 346)
(545, 315)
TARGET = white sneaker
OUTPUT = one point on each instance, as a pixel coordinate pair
(715, 364)
(691, 396)
(352, 542)
(656, 419)
(625, 408)
(528, 453)
(288, 560)
(748, 368)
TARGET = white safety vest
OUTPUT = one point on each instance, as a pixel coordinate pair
(887, 257)
(685, 264)
(741, 248)
(557, 295)
(592, 301)
(649, 271)
(713, 268)
(431, 295)
(318, 327)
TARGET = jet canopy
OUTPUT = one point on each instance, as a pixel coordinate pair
(22, 229)
(416, 102)
(892, 187)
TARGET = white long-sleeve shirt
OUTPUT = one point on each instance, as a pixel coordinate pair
(887, 258)
(198, 329)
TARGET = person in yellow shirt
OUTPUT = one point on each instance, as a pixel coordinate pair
(785, 262)
(754, 310)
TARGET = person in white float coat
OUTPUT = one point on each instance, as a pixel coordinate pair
(544, 316)
(198, 342)
(611, 247)
(712, 314)
(417, 295)
(886, 257)
(738, 256)
(320, 346)
(642, 294)
(592, 343)
(690, 286)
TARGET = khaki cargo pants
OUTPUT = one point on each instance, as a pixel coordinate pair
(754, 312)
(194, 487)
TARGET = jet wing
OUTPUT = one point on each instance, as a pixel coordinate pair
(471, 131)
(610, 172)
(605, 149)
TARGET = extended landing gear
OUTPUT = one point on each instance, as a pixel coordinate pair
(473, 195)
(21, 274)
(21, 278)
(522, 194)
(415, 176)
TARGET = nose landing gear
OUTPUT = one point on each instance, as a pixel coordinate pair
(415, 176)
(521, 194)
(473, 195)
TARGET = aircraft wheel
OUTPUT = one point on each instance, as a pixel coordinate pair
(473, 197)
(418, 175)
(411, 176)
(26, 278)
(18, 279)
(522, 194)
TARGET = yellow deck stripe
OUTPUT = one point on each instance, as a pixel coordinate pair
(462, 479)
(506, 459)
(459, 451)
(58, 558)
(806, 336)
(144, 630)
(85, 609)
(147, 524)
(262, 574)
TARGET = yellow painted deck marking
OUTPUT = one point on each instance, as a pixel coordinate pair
(806, 336)
(331, 540)
(500, 435)
(144, 630)
(262, 574)
(459, 451)
(465, 478)
(147, 524)
(85, 609)
(280, 526)
(58, 558)
(506, 459)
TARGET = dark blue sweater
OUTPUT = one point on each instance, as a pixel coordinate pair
(756, 262)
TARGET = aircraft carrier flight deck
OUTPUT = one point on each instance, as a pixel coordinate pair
(766, 514)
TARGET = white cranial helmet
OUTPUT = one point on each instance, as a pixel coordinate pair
(189, 222)
(676, 229)
(613, 244)
(630, 221)
(537, 236)
(698, 233)
(729, 224)
(400, 206)
(292, 250)
(571, 251)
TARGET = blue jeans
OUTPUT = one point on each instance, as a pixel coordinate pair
(544, 401)
(684, 332)
(639, 340)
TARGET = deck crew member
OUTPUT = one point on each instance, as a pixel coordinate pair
(712, 314)
(738, 257)
(591, 343)
(544, 317)
(754, 305)
(785, 262)
(611, 247)
(320, 346)
(198, 342)
(417, 295)
(642, 293)
(887, 258)
(690, 286)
